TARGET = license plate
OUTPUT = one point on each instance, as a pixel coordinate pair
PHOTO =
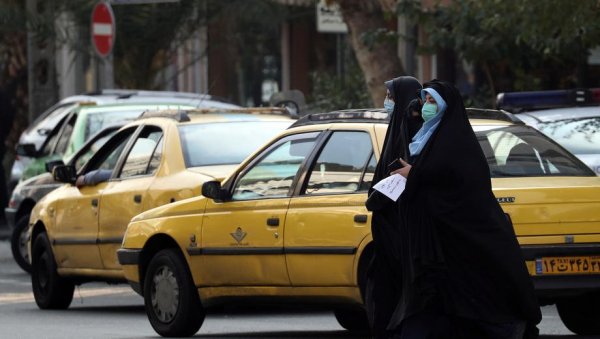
(567, 265)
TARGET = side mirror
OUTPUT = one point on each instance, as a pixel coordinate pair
(291, 106)
(64, 173)
(213, 190)
(53, 163)
(26, 150)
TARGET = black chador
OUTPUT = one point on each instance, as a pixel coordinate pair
(445, 248)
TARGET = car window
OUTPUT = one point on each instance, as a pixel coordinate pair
(52, 138)
(97, 121)
(579, 136)
(369, 173)
(199, 141)
(521, 151)
(93, 148)
(341, 164)
(156, 156)
(274, 173)
(139, 157)
(108, 155)
(65, 135)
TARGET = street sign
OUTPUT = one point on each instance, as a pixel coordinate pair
(103, 29)
(329, 18)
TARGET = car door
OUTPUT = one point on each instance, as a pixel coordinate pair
(76, 233)
(242, 239)
(328, 220)
(125, 195)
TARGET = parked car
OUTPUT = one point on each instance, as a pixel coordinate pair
(289, 224)
(40, 137)
(161, 158)
(28, 192)
(76, 127)
(570, 117)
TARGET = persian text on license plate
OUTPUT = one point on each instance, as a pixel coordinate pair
(568, 265)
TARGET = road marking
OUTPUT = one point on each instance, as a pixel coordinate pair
(27, 297)
(13, 282)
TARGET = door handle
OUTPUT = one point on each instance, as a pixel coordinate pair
(273, 221)
(137, 198)
(95, 202)
(360, 218)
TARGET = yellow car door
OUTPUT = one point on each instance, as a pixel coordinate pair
(328, 220)
(125, 195)
(77, 214)
(243, 237)
(77, 227)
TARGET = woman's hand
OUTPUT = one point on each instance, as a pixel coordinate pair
(404, 170)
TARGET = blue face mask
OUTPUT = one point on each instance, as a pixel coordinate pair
(428, 111)
(388, 105)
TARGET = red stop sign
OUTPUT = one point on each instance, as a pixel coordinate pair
(103, 29)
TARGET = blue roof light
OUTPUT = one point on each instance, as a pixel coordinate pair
(519, 101)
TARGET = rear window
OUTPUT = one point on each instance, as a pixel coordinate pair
(520, 151)
(224, 143)
(579, 136)
(100, 120)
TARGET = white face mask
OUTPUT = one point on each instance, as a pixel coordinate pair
(388, 105)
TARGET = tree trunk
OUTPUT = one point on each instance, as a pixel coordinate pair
(379, 62)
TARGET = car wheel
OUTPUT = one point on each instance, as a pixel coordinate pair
(581, 314)
(18, 243)
(354, 320)
(170, 296)
(49, 289)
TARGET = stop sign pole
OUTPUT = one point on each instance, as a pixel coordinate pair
(103, 34)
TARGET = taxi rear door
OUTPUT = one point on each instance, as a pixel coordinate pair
(125, 195)
(328, 220)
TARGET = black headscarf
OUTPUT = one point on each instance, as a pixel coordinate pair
(458, 252)
(382, 291)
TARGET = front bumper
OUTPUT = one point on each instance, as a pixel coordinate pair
(129, 256)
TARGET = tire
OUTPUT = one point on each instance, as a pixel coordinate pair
(353, 319)
(581, 314)
(18, 243)
(49, 289)
(170, 296)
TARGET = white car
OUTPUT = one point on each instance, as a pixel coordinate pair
(576, 127)
(40, 132)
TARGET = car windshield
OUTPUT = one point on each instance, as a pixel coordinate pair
(520, 151)
(225, 142)
(580, 136)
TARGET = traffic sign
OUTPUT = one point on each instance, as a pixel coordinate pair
(103, 29)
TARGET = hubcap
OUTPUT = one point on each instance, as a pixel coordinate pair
(164, 294)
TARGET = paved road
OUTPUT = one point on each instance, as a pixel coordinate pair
(103, 311)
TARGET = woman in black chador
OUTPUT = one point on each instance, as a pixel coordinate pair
(453, 267)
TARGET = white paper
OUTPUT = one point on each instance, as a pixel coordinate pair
(391, 186)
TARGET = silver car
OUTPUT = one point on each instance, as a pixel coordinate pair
(575, 127)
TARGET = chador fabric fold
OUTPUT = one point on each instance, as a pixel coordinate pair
(383, 276)
(453, 253)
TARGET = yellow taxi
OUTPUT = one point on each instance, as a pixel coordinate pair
(290, 225)
(161, 158)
